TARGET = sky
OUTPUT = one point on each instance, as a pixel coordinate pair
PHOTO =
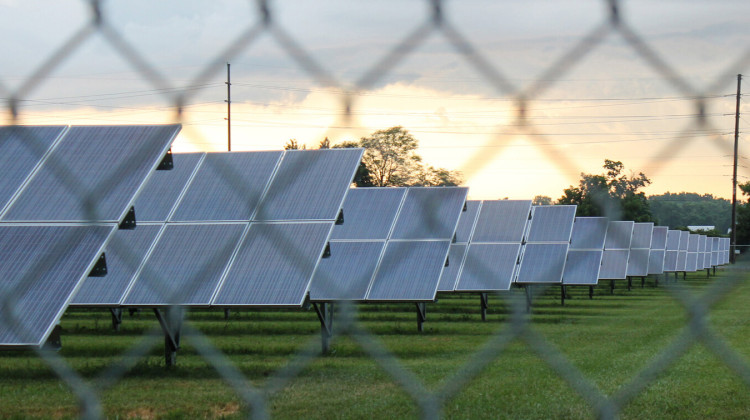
(327, 69)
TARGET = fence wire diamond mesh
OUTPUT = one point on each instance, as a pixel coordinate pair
(436, 22)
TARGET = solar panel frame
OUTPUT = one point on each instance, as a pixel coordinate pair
(479, 275)
(42, 268)
(348, 276)
(619, 235)
(659, 237)
(542, 263)
(670, 261)
(108, 173)
(642, 234)
(638, 262)
(656, 261)
(614, 264)
(673, 240)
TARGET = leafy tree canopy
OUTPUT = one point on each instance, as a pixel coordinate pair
(612, 194)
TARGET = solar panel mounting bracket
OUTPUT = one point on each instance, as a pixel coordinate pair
(167, 163)
(324, 310)
(327, 251)
(340, 217)
(100, 268)
(128, 222)
(421, 315)
(171, 323)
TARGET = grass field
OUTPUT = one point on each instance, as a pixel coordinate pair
(608, 340)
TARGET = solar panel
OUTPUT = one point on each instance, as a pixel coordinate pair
(582, 267)
(589, 233)
(369, 213)
(227, 187)
(429, 213)
(673, 240)
(505, 220)
(670, 260)
(693, 240)
(658, 247)
(124, 255)
(41, 268)
(450, 274)
(185, 266)
(619, 235)
(638, 262)
(467, 221)
(274, 265)
(21, 150)
(542, 263)
(551, 223)
(491, 261)
(656, 261)
(158, 197)
(684, 237)
(614, 264)
(347, 276)
(404, 269)
(309, 185)
(489, 267)
(691, 263)
(642, 233)
(681, 261)
(92, 174)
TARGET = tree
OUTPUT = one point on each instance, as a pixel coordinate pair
(390, 159)
(611, 194)
(690, 209)
(541, 200)
(742, 236)
(293, 145)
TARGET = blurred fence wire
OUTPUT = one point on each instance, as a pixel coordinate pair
(435, 22)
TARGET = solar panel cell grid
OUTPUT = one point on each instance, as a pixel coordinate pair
(589, 233)
(348, 275)
(619, 235)
(449, 277)
(582, 267)
(502, 221)
(369, 213)
(614, 264)
(551, 224)
(542, 263)
(467, 220)
(656, 261)
(659, 237)
(159, 195)
(429, 213)
(642, 233)
(489, 267)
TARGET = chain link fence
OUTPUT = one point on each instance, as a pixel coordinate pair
(436, 22)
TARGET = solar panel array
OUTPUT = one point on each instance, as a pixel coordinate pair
(547, 240)
(393, 246)
(231, 229)
(52, 234)
(616, 250)
(487, 248)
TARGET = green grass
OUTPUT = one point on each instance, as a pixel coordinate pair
(608, 340)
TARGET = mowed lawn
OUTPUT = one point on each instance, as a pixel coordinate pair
(605, 342)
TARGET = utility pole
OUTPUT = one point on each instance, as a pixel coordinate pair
(734, 175)
(229, 110)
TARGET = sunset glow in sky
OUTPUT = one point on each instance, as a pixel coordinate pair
(611, 100)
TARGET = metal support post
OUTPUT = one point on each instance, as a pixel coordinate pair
(484, 301)
(54, 342)
(591, 292)
(116, 318)
(171, 324)
(630, 283)
(643, 282)
(325, 316)
(612, 287)
(562, 294)
(421, 315)
(529, 299)
(227, 311)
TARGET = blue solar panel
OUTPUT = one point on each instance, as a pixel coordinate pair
(430, 213)
(186, 265)
(159, 195)
(92, 174)
(638, 262)
(124, 255)
(691, 263)
(659, 237)
(582, 267)
(21, 149)
(542, 263)
(348, 275)
(41, 268)
(551, 224)
(614, 264)
(369, 213)
(589, 233)
(619, 235)
(693, 240)
(489, 267)
(502, 221)
(309, 185)
(670, 260)
(275, 265)
(642, 233)
(449, 277)
(404, 269)
(466, 221)
(656, 261)
(227, 187)
(673, 240)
